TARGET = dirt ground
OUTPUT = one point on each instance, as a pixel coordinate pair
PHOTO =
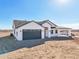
(4, 33)
(66, 49)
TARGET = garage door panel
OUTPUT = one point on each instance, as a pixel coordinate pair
(31, 34)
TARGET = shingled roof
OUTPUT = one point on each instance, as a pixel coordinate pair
(19, 23)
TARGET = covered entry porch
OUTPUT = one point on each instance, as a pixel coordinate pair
(57, 32)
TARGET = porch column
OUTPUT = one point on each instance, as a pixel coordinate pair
(58, 31)
(42, 34)
(69, 32)
(53, 31)
(49, 32)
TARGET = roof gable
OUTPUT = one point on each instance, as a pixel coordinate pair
(32, 25)
(51, 23)
(19, 23)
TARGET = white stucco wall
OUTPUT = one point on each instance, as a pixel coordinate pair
(31, 25)
(48, 33)
(18, 36)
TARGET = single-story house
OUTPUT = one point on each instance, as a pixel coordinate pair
(26, 30)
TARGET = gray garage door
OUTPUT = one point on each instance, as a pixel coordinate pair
(31, 34)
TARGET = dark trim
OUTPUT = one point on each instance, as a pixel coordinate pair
(52, 23)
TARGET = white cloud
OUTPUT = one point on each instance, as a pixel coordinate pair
(73, 26)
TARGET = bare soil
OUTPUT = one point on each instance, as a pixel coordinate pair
(4, 33)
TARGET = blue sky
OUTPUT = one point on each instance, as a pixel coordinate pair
(62, 13)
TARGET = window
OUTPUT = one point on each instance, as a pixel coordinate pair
(17, 33)
(56, 31)
(51, 31)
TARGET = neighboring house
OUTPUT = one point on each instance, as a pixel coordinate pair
(25, 30)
